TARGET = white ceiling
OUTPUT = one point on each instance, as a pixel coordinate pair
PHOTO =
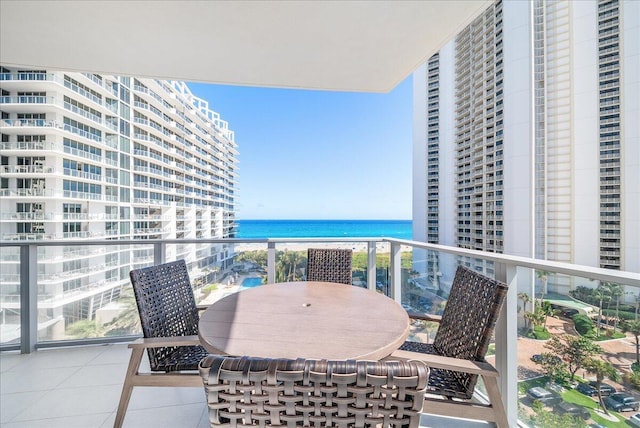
(332, 45)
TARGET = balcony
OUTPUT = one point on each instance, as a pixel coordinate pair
(80, 384)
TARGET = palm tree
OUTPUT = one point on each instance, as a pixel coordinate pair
(289, 263)
(525, 300)
(617, 291)
(633, 327)
(542, 276)
(601, 369)
(599, 293)
(547, 310)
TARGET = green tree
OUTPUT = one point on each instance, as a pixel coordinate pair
(633, 327)
(553, 366)
(601, 369)
(258, 257)
(574, 350)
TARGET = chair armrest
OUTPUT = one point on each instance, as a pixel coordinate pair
(447, 363)
(161, 342)
(424, 317)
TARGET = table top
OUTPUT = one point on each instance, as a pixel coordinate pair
(316, 320)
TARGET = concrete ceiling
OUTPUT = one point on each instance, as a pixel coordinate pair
(329, 45)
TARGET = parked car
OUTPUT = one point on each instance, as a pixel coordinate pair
(564, 408)
(586, 389)
(605, 388)
(591, 390)
(548, 398)
(635, 420)
(622, 402)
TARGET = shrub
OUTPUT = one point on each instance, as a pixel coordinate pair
(539, 333)
(584, 324)
(622, 315)
(633, 378)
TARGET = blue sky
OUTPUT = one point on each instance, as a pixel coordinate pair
(318, 154)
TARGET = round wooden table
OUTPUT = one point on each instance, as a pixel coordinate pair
(316, 320)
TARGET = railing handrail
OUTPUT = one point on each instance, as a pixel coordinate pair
(629, 278)
(626, 277)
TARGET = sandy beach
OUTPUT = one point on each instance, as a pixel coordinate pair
(381, 247)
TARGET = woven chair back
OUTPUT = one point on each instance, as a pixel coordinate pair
(468, 320)
(166, 306)
(244, 391)
(329, 265)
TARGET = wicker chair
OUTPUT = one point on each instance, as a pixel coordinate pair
(456, 356)
(329, 265)
(169, 319)
(277, 392)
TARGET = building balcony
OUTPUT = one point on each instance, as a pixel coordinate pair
(80, 383)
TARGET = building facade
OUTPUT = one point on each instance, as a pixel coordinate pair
(86, 156)
(526, 136)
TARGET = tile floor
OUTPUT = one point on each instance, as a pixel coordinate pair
(80, 387)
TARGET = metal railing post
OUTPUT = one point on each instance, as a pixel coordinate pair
(271, 262)
(28, 298)
(395, 272)
(506, 338)
(159, 253)
(371, 265)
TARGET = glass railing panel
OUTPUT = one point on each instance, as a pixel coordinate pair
(291, 260)
(249, 268)
(10, 310)
(84, 292)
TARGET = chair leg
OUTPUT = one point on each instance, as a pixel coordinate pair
(491, 383)
(127, 388)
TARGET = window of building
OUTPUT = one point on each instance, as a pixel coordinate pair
(72, 227)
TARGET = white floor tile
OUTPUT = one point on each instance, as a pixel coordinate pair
(31, 379)
(169, 416)
(12, 405)
(84, 421)
(62, 403)
(154, 397)
(11, 359)
(95, 374)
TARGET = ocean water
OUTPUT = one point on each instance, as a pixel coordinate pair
(400, 229)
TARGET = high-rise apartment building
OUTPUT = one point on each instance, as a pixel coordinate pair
(527, 135)
(86, 156)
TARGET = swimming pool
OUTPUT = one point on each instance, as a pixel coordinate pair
(251, 282)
